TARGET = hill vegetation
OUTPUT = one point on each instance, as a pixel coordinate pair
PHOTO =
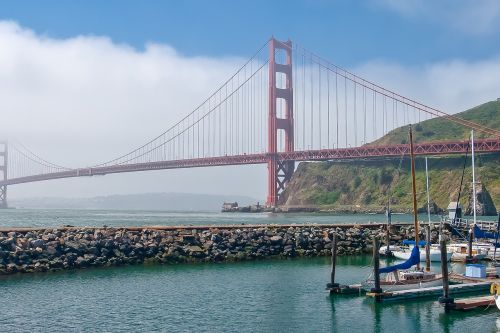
(368, 185)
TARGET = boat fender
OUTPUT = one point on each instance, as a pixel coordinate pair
(495, 289)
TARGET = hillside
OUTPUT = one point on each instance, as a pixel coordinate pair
(440, 129)
(367, 185)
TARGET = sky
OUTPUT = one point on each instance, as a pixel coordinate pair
(82, 82)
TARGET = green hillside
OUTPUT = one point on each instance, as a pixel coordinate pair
(439, 129)
(367, 185)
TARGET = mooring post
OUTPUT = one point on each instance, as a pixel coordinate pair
(388, 240)
(445, 299)
(332, 285)
(388, 232)
(376, 269)
(469, 245)
(428, 248)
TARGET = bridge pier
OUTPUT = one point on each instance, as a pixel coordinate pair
(279, 172)
(3, 168)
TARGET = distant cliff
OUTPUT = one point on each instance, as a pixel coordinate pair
(366, 186)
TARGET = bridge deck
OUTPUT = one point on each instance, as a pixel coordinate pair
(363, 152)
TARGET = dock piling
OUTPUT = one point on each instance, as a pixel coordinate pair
(428, 248)
(376, 268)
(445, 299)
(388, 232)
(333, 286)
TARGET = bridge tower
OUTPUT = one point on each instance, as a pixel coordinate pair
(4, 152)
(279, 172)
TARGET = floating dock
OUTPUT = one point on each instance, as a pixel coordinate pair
(399, 295)
(473, 302)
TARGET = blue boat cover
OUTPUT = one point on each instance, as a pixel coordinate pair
(413, 260)
(412, 242)
(479, 233)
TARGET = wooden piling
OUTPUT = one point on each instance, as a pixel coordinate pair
(333, 286)
(376, 268)
(428, 248)
(388, 233)
(445, 299)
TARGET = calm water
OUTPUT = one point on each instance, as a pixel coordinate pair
(269, 295)
(56, 217)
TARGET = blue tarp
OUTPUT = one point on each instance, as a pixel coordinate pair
(479, 233)
(412, 242)
(413, 260)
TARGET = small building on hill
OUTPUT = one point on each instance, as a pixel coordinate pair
(454, 210)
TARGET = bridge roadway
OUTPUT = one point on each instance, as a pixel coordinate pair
(363, 152)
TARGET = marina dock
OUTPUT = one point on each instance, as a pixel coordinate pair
(456, 289)
(473, 302)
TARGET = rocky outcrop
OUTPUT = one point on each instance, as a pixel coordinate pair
(56, 249)
(484, 203)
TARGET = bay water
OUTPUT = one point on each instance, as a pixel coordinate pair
(267, 295)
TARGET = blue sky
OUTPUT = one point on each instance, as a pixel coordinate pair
(347, 32)
(85, 81)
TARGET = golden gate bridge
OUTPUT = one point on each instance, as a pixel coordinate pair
(285, 104)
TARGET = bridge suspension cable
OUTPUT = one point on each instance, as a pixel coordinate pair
(23, 162)
(325, 112)
(383, 99)
(230, 121)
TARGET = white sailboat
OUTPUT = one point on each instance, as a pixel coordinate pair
(403, 276)
(478, 251)
(404, 253)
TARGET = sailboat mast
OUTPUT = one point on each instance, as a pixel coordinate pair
(414, 189)
(473, 177)
(427, 185)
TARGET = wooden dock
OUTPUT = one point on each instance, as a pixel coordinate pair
(459, 278)
(399, 295)
(473, 302)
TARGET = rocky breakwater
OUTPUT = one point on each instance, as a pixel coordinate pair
(68, 248)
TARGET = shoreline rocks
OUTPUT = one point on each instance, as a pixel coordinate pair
(73, 248)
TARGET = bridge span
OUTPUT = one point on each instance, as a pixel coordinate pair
(284, 105)
(364, 152)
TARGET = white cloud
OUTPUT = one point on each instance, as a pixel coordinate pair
(82, 100)
(470, 16)
(450, 86)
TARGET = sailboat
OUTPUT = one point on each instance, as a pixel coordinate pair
(401, 276)
(478, 250)
(404, 252)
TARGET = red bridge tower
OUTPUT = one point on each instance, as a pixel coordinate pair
(3, 169)
(279, 172)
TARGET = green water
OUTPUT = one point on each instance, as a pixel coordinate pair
(271, 295)
(268, 295)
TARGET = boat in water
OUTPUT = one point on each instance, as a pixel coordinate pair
(404, 252)
(495, 290)
(402, 276)
(460, 251)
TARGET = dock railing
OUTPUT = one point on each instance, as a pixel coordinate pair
(466, 224)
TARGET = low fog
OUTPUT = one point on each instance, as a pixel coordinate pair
(84, 100)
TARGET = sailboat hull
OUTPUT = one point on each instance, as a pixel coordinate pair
(435, 255)
(405, 285)
(387, 286)
(497, 301)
